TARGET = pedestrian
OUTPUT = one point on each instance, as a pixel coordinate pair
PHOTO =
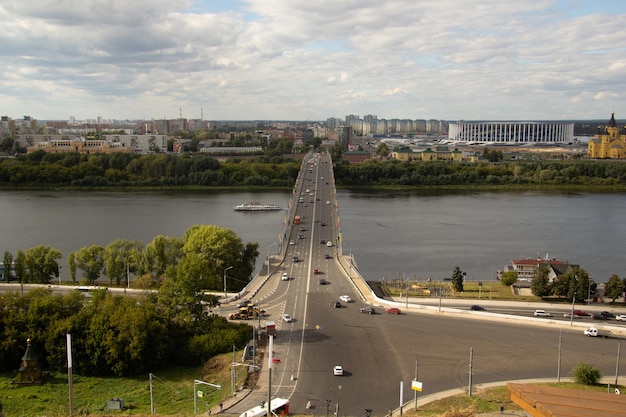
(617, 391)
(501, 409)
(221, 406)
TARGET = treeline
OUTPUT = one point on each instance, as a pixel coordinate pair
(102, 170)
(116, 335)
(120, 169)
(448, 173)
(111, 335)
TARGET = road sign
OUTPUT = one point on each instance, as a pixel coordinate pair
(416, 386)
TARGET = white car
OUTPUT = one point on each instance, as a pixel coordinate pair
(620, 317)
(327, 202)
(287, 318)
(345, 298)
(329, 244)
(541, 313)
(338, 370)
(292, 242)
(284, 277)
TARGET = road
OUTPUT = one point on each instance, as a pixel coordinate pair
(380, 351)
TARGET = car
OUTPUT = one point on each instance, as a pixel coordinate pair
(329, 244)
(335, 304)
(338, 370)
(292, 242)
(300, 236)
(392, 310)
(284, 277)
(322, 281)
(286, 318)
(302, 229)
(541, 313)
(598, 317)
(345, 298)
(368, 310)
(327, 256)
(570, 315)
(620, 317)
(607, 314)
(476, 307)
(322, 224)
(295, 259)
(316, 271)
(327, 202)
(322, 242)
(580, 313)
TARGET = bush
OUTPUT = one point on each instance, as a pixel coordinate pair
(586, 374)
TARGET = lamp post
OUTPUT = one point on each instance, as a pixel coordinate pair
(588, 291)
(59, 274)
(414, 391)
(268, 257)
(225, 296)
(336, 405)
(571, 317)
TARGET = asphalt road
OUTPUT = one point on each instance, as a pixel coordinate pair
(380, 351)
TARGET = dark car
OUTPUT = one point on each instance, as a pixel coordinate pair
(607, 315)
(296, 259)
(327, 256)
(323, 242)
(599, 317)
(368, 310)
(334, 304)
(476, 307)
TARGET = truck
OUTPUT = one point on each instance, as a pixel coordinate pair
(595, 332)
(270, 328)
(248, 312)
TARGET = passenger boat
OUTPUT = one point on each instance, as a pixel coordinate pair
(256, 206)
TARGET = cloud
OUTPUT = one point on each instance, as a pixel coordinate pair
(499, 59)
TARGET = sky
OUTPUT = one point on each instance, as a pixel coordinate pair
(313, 59)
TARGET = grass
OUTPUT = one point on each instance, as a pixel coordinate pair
(172, 392)
(471, 290)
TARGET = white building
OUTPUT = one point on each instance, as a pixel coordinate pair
(512, 132)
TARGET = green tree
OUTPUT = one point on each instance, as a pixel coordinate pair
(383, 150)
(121, 257)
(20, 266)
(509, 278)
(586, 374)
(540, 285)
(614, 287)
(7, 263)
(457, 279)
(71, 262)
(41, 263)
(161, 252)
(90, 261)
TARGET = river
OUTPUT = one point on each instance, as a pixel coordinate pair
(414, 235)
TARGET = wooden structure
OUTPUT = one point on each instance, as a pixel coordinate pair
(543, 401)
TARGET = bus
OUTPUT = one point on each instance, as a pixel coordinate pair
(280, 407)
(296, 220)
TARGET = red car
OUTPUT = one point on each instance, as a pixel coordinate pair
(316, 271)
(392, 310)
(580, 313)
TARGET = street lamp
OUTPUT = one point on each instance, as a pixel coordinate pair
(225, 296)
(336, 405)
(414, 391)
(59, 274)
(571, 317)
(268, 256)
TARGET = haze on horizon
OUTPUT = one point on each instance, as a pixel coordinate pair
(302, 60)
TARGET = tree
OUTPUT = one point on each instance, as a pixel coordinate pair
(161, 252)
(41, 264)
(540, 285)
(20, 266)
(586, 374)
(614, 287)
(383, 150)
(7, 263)
(120, 257)
(90, 260)
(457, 279)
(509, 278)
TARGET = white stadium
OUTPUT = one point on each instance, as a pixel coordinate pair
(511, 133)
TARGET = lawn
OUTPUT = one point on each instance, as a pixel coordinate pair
(172, 392)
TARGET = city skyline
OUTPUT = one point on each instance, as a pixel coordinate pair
(276, 60)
